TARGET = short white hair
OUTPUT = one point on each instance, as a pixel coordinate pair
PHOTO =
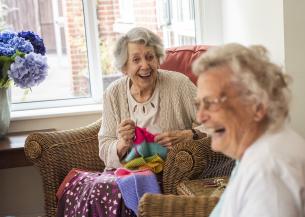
(263, 81)
(138, 35)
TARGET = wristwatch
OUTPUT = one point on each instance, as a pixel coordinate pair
(195, 134)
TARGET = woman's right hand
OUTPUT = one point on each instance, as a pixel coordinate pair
(126, 133)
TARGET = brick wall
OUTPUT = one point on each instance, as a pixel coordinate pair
(76, 46)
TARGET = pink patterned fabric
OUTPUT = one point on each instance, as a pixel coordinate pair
(92, 194)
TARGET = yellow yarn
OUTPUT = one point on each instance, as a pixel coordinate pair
(153, 163)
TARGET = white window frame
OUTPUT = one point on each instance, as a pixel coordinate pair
(204, 35)
(126, 11)
(186, 26)
(95, 75)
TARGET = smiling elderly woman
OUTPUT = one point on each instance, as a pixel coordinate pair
(243, 99)
(147, 97)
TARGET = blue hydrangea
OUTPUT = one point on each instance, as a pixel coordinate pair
(35, 40)
(28, 71)
(21, 44)
(5, 36)
(6, 50)
(23, 54)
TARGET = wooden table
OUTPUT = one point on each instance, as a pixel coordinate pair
(12, 150)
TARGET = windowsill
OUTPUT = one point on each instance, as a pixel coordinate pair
(56, 112)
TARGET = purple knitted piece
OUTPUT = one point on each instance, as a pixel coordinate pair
(133, 184)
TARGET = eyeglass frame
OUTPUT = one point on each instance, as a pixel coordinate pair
(207, 103)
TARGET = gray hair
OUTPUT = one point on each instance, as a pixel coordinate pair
(136, 35)
(263, 81)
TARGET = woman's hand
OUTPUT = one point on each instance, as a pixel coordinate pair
(126, 133)
(171, 138)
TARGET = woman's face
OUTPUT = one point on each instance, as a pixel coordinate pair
(232, 121)
(141, 66)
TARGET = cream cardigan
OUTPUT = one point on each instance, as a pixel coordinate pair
(177, 111)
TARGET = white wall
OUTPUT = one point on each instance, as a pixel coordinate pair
(21, 192)
(294, 25)
(255, 22)
(280, 26)
(210, 19)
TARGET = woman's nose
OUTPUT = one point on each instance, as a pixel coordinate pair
(144, 64)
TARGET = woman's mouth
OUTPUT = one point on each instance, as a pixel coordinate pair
(145, 76)
(216, 132)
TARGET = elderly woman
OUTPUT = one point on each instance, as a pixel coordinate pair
(146, 97)
(243, 100)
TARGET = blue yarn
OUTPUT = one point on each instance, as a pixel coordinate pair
(134, 186)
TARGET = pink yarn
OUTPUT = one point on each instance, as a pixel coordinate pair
(121, 172)
(142, 134)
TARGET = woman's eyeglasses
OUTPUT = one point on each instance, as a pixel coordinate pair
(210, 104)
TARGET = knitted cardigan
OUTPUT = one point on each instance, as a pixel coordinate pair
(177, 111)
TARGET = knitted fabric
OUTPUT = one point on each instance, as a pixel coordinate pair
(145, 153)
(154, 163)
(133, 184)
(174, 87)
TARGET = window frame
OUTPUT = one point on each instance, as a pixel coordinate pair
(95, 74)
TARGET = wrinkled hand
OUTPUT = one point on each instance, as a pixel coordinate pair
(126, 133)
(168, 139)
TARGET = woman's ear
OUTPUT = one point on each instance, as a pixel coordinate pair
(260, 112)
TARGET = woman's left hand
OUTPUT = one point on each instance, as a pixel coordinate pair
(171, 138)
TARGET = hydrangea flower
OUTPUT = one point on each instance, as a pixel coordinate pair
(21, 59)
(28, 71)
(5, 36)
(21, 44)
(35, 40)
(6, 50)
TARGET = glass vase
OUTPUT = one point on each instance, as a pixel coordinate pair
(5, 110)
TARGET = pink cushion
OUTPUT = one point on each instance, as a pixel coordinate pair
(180, 59)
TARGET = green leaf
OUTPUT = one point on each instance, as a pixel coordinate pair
(4, 79)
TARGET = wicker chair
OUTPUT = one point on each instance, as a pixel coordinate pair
(56, 153)
(153, 205)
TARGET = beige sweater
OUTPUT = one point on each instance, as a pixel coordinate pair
(177, 111)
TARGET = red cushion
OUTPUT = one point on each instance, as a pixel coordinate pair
(180, 59)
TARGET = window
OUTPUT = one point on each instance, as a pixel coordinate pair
(168, 18)
(80, 35)
(126, 11)
(62, 25)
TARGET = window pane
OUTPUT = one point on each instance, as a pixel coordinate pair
(172, 20)
(61, 25)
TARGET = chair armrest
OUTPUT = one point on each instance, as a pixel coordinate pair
(193, 159)
(56, 153)
(156, 205)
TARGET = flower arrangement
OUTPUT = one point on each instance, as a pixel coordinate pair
(22, 59)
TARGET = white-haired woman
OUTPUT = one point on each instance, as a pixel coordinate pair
(147, 97)
(243, 99)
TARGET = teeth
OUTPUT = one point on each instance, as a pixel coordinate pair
(145, 75)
